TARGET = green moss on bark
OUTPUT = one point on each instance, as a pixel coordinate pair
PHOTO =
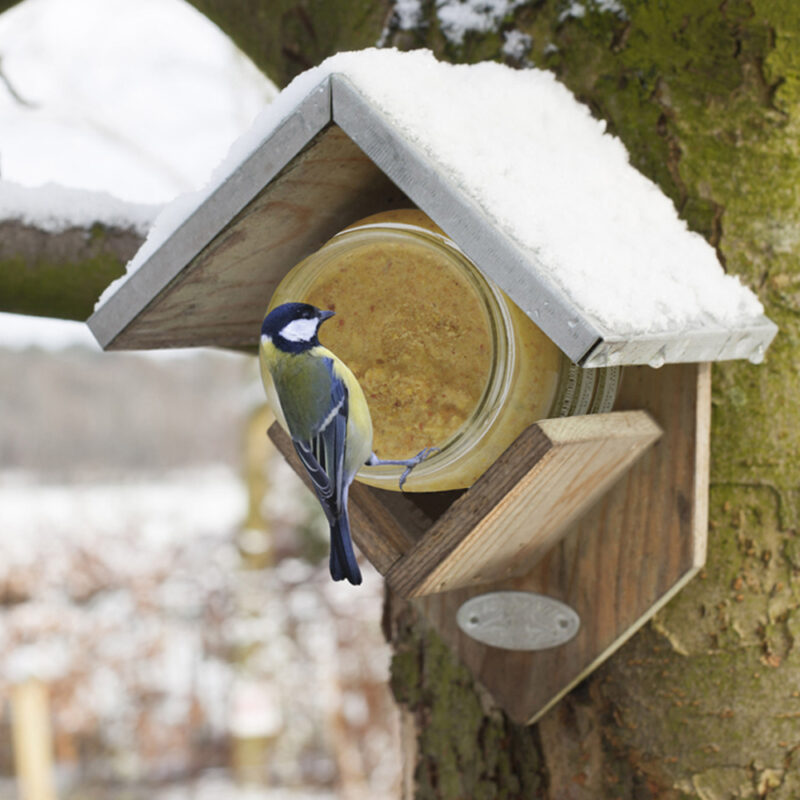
(466, 749)
(43, 290)
(706, 97)
(60, 274)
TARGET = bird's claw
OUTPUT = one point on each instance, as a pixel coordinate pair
(417, 459)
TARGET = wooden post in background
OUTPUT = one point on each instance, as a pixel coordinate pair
(255, 715)
(33, 740)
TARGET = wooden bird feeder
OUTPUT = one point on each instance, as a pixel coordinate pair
(606, 513)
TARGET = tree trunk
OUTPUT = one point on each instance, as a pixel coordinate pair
(705, 701)
(286, 37)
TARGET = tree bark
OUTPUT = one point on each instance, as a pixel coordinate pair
(286, 37)
(704, 701)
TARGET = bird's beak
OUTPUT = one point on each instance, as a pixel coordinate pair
(325, 315)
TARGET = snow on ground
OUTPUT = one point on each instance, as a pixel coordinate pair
(131, 600)
(208, 500)
(210, 786)
(213, 787)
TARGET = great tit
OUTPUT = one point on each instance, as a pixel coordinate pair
(325, 411)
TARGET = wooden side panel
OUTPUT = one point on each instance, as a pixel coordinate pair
(219, 299)
(521, 505)
(616, 565)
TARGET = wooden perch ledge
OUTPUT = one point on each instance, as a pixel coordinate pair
(557, 468)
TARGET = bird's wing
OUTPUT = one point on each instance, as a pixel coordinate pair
(323, 454)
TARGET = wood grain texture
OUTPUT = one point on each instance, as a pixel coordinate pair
(617, 564)
(220, 298)
(507, 520)
(520, 506)
(614, 555)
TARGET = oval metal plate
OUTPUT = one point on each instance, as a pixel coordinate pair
(518, 620)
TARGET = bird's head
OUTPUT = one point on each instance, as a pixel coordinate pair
(293, 327)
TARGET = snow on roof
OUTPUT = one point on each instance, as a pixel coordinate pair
(545, 174)
(550, 176)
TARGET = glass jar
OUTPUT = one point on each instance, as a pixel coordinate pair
(445, 358)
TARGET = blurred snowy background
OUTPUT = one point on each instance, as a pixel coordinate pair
(162, 572)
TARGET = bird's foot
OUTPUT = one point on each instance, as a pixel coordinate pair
(412, 462)
(408, 463)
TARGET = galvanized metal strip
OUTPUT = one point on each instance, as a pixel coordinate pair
(469, 227)
(582, 337)
(691, 345)
(312, 114)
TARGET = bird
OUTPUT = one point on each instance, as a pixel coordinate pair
(322, 405)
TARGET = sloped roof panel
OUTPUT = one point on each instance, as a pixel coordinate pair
(542, 200)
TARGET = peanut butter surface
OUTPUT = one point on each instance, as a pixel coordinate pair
(414, 332)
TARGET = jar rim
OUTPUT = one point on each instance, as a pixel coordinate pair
(501, 370)
(502, 343)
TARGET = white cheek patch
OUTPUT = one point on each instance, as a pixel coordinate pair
(300, 330)
(265, 339)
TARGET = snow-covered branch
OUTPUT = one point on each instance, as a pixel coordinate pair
(60, 247)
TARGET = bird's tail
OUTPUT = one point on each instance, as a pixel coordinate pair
(343, 560)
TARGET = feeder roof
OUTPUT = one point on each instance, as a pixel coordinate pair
(517, 172)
